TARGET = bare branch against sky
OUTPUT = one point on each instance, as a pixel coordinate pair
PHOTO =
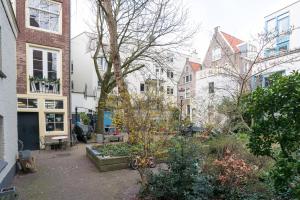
(234, 16)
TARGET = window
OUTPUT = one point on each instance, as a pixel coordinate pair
(44, 14)
(27, 103)
(187, 79)
(142, 87)
(271, 26)
(54, 104)
(170, 90)
(44, 64)
(283, 23)
(170, 74)
(72, 85)
(85, 91)
(103, 64)
(216, 54)
(187, 93)
(188, 109)
(157, 70)
(72, 68)
(190, 77)
(211, 87)
(54, 122)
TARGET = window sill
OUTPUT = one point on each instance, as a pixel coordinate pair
(2, 75)
(3, 164)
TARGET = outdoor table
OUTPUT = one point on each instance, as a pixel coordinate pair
(59, 138)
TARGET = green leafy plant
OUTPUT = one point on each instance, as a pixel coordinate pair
(184, 179)
(275, 129)
(84, 118)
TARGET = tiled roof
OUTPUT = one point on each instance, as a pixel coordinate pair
(195, 66)
(233, 41)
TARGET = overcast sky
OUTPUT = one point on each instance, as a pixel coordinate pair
(241, 18)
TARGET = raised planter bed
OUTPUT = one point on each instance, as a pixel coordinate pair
(105, 164)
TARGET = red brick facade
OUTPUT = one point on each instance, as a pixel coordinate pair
(28, 35)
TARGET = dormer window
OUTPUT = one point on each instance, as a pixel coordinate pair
(216, 54)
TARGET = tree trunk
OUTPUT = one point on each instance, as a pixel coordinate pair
(100, 115)
(116, 60)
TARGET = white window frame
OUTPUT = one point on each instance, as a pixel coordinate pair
(216, 54)
(27, 16)
(54, 104)
(29, 55)
(63, 121)
(45, 64)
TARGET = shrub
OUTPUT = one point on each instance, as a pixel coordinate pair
(275, 129)
(184, 179)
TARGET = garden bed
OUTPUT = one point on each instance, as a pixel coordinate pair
(109, 157)
(106, 163)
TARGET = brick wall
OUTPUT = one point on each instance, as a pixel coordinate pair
(28, 35)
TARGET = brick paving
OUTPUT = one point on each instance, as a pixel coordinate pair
(69, 175)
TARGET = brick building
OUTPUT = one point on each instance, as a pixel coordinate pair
(43, 52)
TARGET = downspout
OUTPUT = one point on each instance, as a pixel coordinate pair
(70, 101)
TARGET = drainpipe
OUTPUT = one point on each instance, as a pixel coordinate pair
(70, 101)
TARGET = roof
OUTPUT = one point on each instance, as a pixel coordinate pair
(195, 66)
(233, 41)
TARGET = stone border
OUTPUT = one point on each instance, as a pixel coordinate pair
(107, 164)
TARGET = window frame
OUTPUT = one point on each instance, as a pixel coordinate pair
(54, 122)
(216, 56)
(142, 85)
(54, 101)
(29, 65)
(27, 17)
(211, 87)
(27, 103)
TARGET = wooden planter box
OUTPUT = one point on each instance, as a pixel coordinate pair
(107, 164)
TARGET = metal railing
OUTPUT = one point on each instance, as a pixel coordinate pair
(44, 85)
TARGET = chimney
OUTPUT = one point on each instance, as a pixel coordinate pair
(187, 59)
(217, 28)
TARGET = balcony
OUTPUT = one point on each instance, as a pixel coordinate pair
(43, 85)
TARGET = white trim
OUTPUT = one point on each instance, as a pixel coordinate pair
(27, 19)
(30, 46)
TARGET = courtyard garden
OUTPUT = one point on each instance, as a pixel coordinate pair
(253, 155)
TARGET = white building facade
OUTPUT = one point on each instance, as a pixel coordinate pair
(8, 97)
(283, 54)
(225, 60)
(85, 89)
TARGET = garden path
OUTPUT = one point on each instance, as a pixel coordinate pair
(69, 175)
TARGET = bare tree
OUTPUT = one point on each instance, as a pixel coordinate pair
(130, 34)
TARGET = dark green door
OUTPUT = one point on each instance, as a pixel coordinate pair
(28, 130)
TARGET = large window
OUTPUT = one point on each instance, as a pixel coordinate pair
(216, 54)
(271, 26)
(54, 122)
(283, 23)
(44, 14)
(44, 64)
